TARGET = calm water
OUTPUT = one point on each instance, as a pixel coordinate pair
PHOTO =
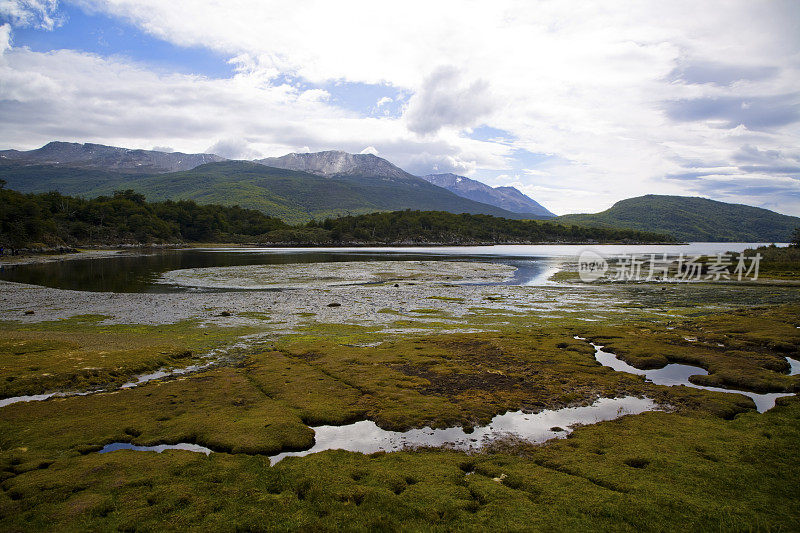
(138, 273)
(675, 374)
(366, 437)
(114, 446)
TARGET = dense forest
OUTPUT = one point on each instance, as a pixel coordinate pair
(52, 220)
(442, 227)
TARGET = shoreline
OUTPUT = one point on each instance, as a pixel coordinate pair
(27, 256)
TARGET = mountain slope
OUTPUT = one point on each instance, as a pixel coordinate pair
(692, 219)
(290, 195)
(64, 179)
(110, 158)
(507, 198)
(339, 164)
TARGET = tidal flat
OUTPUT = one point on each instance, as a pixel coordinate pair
(402, 346)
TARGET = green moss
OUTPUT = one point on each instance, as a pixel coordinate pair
(711, 463)
(737, 478)
(430, 312)
(220, 409)
(742, 349)
(82, 353)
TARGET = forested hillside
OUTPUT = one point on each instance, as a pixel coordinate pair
(295, 197)
(52, 219)
(692, 219)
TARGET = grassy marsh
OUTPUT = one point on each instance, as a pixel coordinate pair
(709, 461)
(84, 353)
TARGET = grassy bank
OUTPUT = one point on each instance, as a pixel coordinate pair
(709, 462)
(778, 263)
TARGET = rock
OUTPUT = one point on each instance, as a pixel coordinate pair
(337, 163)
(396, 284)
(224, 313)
(334, 304)
(28, 312)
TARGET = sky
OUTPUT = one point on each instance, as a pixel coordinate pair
(577, 104)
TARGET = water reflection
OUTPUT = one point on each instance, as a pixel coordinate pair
(136, 272)
(675, 374)
(114, 446)
(366, 437)
(794, 366)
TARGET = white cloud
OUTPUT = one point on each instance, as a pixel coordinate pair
(444, 99)
(5, 38)
(623, 96)
(31, 13)
(233, 149)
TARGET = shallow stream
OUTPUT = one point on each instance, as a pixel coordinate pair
(675, 374)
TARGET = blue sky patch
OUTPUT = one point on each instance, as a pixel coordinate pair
(488, 133)
(98, 34)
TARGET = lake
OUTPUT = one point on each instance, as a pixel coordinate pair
(139, 272)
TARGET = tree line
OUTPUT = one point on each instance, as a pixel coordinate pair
(52, 219)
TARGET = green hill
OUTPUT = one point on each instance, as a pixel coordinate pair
(64, 179)
(446, 228)
(290, 195)
(51, 219)
(692, 219)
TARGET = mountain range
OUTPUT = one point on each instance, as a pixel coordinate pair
(372, 185)
(305, 186)
(358, 183)
(101, 157)
(509, 198)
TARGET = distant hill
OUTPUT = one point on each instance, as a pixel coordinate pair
(292, 196)
(692, 219)
(109, 158)
(508, 198)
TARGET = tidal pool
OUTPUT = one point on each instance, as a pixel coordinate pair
(677, 374)
(114, 446)
(366, 437)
